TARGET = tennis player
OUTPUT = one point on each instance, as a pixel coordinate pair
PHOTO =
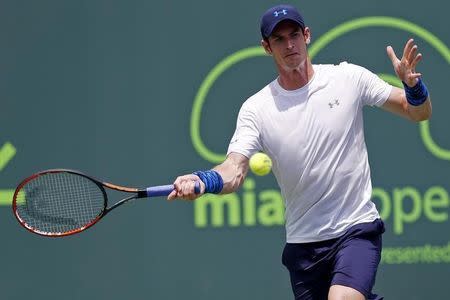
(309, 120)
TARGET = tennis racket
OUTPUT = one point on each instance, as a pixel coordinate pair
(62, 202)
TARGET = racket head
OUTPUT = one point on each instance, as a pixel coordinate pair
(59, 202)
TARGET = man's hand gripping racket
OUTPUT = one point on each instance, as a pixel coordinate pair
(62, 202)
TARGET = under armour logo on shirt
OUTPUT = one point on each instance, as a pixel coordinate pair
(332, 104)
(277, 13)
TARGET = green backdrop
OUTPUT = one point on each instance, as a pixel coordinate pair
(138, 92)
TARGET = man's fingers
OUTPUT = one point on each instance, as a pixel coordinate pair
(415, 75)
(391, 54)
(172, 195)
(412, 54)
(407, 49)
(192, 188)
(184, 187)
(416, 60)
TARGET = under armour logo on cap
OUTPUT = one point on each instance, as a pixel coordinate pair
(274, 15)
(277, 13)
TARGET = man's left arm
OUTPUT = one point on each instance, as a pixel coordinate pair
(413, 102)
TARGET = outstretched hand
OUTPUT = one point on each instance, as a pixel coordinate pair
(405, 68)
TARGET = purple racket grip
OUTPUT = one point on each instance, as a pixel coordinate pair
(197, 187)
(165, 190)
(160, 190)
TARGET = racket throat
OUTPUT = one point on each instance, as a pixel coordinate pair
(123, 201)
(142, 194)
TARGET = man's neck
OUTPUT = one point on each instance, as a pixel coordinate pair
(296, 78)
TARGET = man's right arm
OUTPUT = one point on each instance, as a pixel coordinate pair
(233, 171)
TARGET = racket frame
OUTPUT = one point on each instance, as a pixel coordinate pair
(138, 193)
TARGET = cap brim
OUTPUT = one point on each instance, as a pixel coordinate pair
(287, 18)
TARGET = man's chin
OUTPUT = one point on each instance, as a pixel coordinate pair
(293, 65)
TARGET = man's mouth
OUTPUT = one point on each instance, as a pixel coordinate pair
(291, 54)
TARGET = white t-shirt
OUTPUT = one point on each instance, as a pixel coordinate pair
(315, 137)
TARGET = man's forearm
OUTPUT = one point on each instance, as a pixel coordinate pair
(233, 171)
(421, 112)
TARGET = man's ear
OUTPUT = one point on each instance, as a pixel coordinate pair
(265, 44)
(307, 35)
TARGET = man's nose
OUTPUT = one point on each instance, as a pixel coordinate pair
(290, 44)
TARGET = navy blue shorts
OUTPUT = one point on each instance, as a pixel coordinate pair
(350, 260)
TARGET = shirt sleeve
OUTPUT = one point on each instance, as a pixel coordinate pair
(373, 90)
(246, 139)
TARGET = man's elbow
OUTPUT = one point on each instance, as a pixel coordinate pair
(421, 118)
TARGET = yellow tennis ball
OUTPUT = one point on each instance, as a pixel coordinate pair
(260, 164)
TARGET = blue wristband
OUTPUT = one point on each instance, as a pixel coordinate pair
(212, 180)
(417, 94)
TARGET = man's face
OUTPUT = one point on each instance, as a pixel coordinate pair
(287, 45)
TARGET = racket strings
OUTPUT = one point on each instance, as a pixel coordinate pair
(55, 203)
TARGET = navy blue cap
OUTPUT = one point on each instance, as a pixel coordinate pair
(274, 15)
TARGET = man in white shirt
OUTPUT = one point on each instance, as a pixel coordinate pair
(309, 120)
